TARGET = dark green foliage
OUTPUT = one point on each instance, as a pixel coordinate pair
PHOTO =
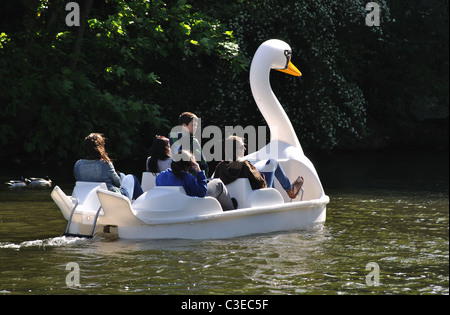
(56, 89)
(133, 66)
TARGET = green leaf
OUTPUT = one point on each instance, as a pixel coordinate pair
(120, 71)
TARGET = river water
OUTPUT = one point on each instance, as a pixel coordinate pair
(387, 232)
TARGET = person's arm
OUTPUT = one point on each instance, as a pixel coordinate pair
(255, 177)
(198, 154)
(218, 170)
(196, 185)
(113, 175)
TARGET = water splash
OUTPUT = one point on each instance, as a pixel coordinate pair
(49, 242)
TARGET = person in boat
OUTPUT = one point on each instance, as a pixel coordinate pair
(98, 167)
(160, 158)
(182, 138)
(194, 185)
(229, 171)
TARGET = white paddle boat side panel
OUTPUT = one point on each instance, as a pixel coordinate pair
(202, 218)
(167, 212)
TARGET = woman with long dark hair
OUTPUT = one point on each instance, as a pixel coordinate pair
(159, 159)
(98, 167)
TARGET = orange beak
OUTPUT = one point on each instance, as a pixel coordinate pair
(292, 70)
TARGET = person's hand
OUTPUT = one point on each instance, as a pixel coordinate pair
(196, 167)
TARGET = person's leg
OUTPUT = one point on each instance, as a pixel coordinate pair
(137, 191)
(268, 176)
(218, 190)
(282, 178)
(291, 189)
(267, 167)
(272, 168)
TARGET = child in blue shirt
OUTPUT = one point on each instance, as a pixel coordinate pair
(194, 185)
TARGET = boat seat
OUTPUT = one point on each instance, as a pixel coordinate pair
(148, 181)
(246, 197)
(63, 201)
(117, 209)
(85, 193)
(171, 202)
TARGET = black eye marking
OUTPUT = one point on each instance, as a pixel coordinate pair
(288, 54)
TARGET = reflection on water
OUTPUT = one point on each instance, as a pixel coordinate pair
(404, 231)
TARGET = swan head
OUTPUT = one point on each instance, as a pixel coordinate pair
(276, 54)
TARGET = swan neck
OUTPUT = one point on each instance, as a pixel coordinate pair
(280, 126)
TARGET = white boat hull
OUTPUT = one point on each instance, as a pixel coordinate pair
(305, 215)
(187, 217)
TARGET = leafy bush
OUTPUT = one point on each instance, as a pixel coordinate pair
(133, 66)
(54, 94)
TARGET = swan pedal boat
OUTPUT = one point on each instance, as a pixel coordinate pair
(168, 213)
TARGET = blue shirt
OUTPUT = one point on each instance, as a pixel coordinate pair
(193, 185)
